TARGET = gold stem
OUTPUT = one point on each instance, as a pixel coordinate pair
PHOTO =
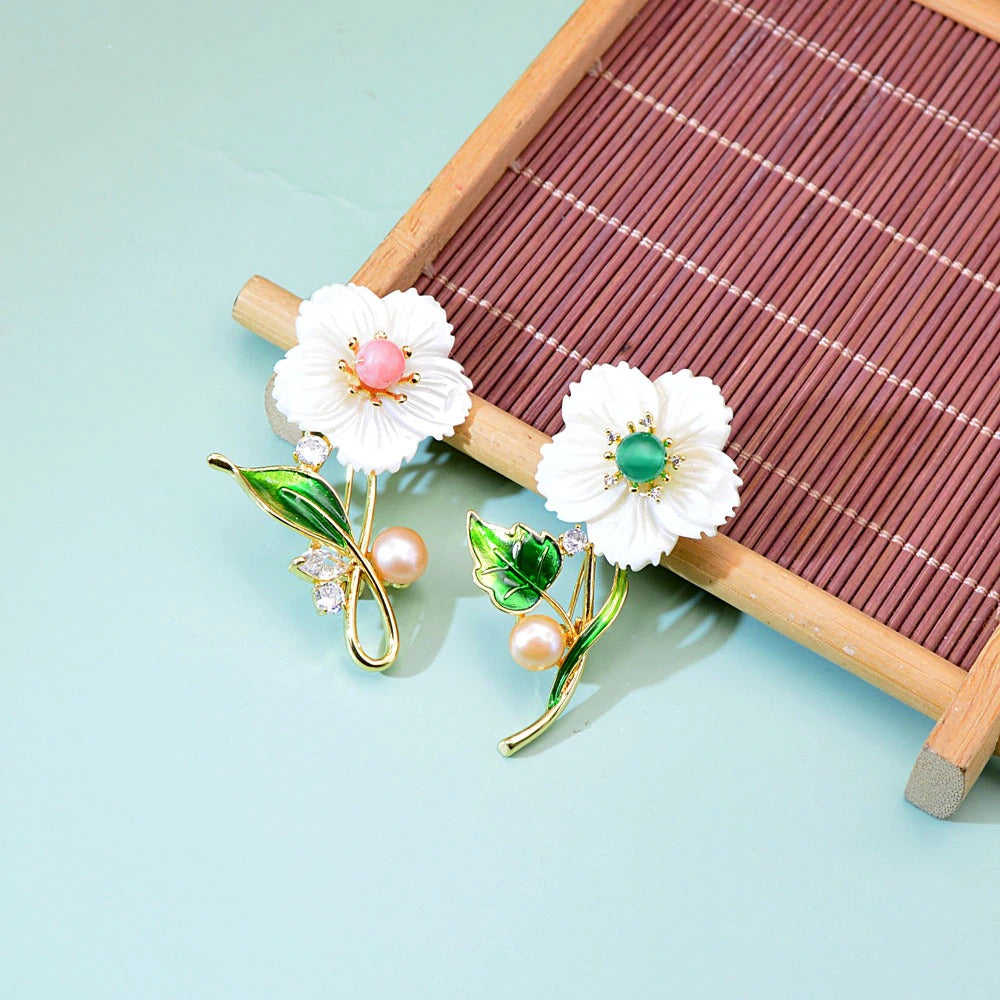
(558, 608)
(588, 593)
(509, 746)
(363, 572)
(369, 515)
(587, 562)
(348, 486)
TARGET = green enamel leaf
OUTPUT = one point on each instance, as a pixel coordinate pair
(515, 566)
(590, 635)
(302, 500)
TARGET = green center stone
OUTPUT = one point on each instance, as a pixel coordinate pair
(641, 457)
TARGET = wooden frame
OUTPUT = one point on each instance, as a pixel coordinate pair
(719, 565)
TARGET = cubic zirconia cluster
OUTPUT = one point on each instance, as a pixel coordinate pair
(641, 459)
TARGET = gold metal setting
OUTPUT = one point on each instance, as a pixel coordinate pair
(500, 571)
(364, 573)
(573, 627)
(651, 489)
(375, 396)
(334, 534)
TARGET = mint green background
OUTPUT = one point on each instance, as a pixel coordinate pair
(200, 796)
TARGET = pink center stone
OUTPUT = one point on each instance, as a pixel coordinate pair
(379, 364)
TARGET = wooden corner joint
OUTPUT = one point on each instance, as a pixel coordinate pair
(963, 740)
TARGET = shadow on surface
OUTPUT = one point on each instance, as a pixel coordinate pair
(432, 495)
(667, 624)
(983, 803)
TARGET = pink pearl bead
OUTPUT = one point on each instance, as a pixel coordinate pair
(399, 555)
(379, 364)
(537, 643)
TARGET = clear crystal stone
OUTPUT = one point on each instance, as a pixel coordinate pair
(647, 420)
(328, 598)
(573, 541)
(322, 564)
(312, 450)
(655, 493)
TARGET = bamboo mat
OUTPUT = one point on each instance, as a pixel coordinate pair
(799, 200)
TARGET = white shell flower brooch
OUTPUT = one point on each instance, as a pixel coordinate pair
(640, 464)
(370, 377)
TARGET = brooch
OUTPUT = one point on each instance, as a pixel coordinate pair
(370, 378)
(638, 465)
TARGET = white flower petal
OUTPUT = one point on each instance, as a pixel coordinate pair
(630, 534)
(336, 313)
(374, 433)
(571, 474)
(418, 322)
(701, 495)
(691, 411)
(429, 410)
(429, 365)
(308, 388)
(610, 395)
(312, 392)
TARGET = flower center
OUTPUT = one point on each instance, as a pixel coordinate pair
(379, 364)
(641, 457)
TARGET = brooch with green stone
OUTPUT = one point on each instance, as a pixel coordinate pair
(641, 464)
